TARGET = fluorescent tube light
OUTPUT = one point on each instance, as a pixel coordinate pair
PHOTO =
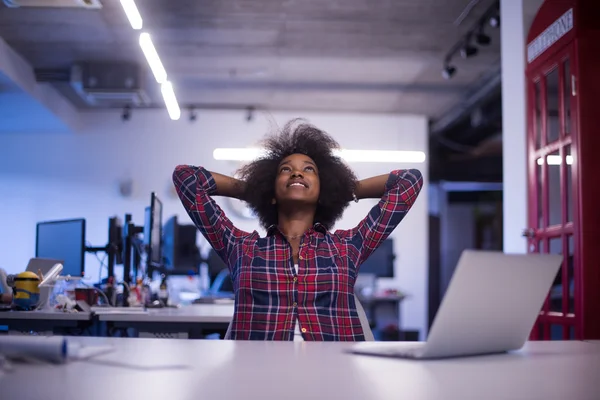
(381, 156)
(160, 74)
(378, 156)
(170, 101)
(244, 154)
(132, 13)
(554, 160)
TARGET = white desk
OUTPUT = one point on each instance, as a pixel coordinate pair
(183, 322)
(299, 370)
(43, 322)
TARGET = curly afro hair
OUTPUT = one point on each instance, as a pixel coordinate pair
(338, 182)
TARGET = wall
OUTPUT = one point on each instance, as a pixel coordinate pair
(516, 17)
(45, 176)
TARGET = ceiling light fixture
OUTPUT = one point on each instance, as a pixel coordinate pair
(448, 71)
(373, 156)
(381, 156)
(475, 35)
(481, 38)
(132, 13)
(170, 100)
(239, 154)
(495, 21)
(160, 74)
(468, 51)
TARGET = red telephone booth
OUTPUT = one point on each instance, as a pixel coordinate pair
(563, 88)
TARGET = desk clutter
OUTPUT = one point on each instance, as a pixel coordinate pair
(161, 265)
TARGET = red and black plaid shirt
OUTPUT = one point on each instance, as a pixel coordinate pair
(269, 295)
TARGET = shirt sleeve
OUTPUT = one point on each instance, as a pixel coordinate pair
(401, 191)
(194, 186)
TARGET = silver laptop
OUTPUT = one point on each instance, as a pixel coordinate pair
(491, 305)
(42, 264)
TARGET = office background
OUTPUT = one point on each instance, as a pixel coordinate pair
(49, 176)
(58, 161)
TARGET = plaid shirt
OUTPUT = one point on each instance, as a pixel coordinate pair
(269, 295)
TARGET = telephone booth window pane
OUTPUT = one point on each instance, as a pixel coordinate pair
(540, 211)
(552, 121)
(556, 332)
(554, 198)
(556, 292)
(540, 330)
(569, 188)
(570, 268)
(538, 116)
(567, 97)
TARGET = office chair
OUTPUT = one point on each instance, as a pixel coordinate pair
(364, 323)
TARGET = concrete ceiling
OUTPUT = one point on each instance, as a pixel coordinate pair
(324, 55)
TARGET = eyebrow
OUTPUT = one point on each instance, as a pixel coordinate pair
(305, 162)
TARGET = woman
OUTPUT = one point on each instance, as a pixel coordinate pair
(300, 276)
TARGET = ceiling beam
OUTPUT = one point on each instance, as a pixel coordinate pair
(325, 86)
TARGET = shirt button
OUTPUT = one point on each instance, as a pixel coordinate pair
(302, 258)
(295, 279)
(295, 304)
(303, 330)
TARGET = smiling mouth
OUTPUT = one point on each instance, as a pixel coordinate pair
(298, 184)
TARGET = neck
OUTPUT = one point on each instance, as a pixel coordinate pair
(296, 222)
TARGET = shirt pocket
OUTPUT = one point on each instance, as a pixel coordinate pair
(331, 273)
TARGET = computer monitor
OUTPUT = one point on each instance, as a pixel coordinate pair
(180, 251)
(62, 240)
(381, 262)
(215, 266)
(153, 232)
(115, 239)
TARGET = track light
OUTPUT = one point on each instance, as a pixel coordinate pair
(482, 39)
(495, 21)
(249, 114)
(468, 45)
(448, 71)
(193, 114)
(468, 51)
(126, 114)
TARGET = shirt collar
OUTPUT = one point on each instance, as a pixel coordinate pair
(319, 227)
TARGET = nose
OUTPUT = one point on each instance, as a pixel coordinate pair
(296, 174)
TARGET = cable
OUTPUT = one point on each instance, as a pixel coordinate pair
(126, 285)
(102, 265)
(99, 291)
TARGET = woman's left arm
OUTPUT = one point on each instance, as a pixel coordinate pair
(372, 188)
(397, 192)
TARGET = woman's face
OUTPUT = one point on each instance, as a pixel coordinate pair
(297, 180)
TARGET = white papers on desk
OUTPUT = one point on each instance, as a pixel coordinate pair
(119, 310)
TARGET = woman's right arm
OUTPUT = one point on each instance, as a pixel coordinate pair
(228, 186)
(195, 186)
